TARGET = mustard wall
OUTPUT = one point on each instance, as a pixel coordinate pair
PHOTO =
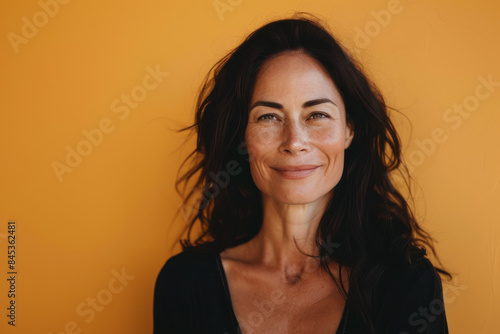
(92, 91)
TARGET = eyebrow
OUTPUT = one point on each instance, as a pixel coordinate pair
(280, 106)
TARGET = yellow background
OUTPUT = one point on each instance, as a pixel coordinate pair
(115, 210)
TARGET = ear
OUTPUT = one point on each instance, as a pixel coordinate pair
(349, 134)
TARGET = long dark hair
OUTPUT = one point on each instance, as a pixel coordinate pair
(367, 217)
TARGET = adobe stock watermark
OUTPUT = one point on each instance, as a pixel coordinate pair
(223, 6)
(380, 20)
(453, 117)
(426, 315)
(31, 27)
(220, 180)
(121, 107)
(265, 308)
(88, 309)
(453, 290)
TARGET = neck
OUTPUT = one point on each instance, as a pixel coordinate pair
(274, 245)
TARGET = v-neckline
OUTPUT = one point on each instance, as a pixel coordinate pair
(236, 327)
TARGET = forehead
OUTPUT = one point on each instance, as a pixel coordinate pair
(294, 74)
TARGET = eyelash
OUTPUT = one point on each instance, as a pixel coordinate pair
(265, 116)
(320, 114)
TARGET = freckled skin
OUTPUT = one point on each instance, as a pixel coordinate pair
(294, 135)
(283, 132)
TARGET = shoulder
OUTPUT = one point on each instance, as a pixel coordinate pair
(186, 259)
(420, 273)
(186, 266)
(182, 285)
(410, 298)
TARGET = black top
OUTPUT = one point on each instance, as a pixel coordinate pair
(191, 296)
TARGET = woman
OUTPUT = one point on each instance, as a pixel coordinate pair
(302, 230)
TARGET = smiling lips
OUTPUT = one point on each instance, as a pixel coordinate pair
(296, 172)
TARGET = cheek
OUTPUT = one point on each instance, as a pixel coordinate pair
(330, 134)
(259, 142)
(331, 144)
(335, 161)
(330, 140)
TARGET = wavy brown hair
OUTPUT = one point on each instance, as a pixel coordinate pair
(367, 217)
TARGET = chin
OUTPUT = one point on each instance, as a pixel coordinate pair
(299, 198)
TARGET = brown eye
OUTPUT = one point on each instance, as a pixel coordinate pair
(267, 117)
(319, 115)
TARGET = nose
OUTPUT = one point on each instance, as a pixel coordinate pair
(294, 138)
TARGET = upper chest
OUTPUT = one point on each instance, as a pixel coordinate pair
(265, 303)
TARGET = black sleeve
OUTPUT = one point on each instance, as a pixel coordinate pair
(416, 303)
(170, 308)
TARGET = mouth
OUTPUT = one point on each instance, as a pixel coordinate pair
(296, 172)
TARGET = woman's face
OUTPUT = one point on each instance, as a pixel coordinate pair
(297, 131)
